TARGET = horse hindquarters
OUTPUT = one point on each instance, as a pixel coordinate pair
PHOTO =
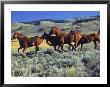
(61, 42)
(81, 42)
(25, 46)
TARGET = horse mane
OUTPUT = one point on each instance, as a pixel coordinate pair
(19, 33)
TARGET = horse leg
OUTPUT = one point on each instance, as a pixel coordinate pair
(19, 49)
(75, 46)
(81, 46)
(36, 49)
(55, 48)
(24, 49)
(69, 47)
(25, 46)
(61, 45)
(72, 46)
(58, 47)
(95, 44)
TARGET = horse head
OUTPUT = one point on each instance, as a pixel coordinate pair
(45, 35)
(53, 30)
(15, 35)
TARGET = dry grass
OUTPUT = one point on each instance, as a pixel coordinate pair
(15, 44)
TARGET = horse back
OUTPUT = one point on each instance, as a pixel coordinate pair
(88, 38)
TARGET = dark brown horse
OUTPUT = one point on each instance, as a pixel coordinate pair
(51, 40)
(62, 37)
(90, 38)
(54, 41)
(26, 42)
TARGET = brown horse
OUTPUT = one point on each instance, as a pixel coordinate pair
(60, 34)
(54, 41)
(90, 38)
(97, 36)
(62, 37)
(77, 36)
(26, 42)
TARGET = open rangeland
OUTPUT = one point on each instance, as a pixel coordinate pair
(50, 63)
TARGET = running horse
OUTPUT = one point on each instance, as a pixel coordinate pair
(62, 37)
(54, 41)
(26, 42)
(77, 36)
(51, 40)
(94, 37)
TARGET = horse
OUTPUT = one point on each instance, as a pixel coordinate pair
(54, 41)
(97, 36)
(77, 36)
(90, 38)
(62, 37)
(26, 42)
(59, 34)
(51, 40)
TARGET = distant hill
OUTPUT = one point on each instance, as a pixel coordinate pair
(75, 20)
(84, 24)
(37, 22)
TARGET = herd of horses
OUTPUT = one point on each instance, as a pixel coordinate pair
(58, 40)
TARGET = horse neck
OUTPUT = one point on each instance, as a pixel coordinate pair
(21, 36)
(18, 37)
(59, 33)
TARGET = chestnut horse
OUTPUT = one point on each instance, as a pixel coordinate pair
(54, 41)
(77, 36)
(62, 37)
(26, 42)
(90, 38)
